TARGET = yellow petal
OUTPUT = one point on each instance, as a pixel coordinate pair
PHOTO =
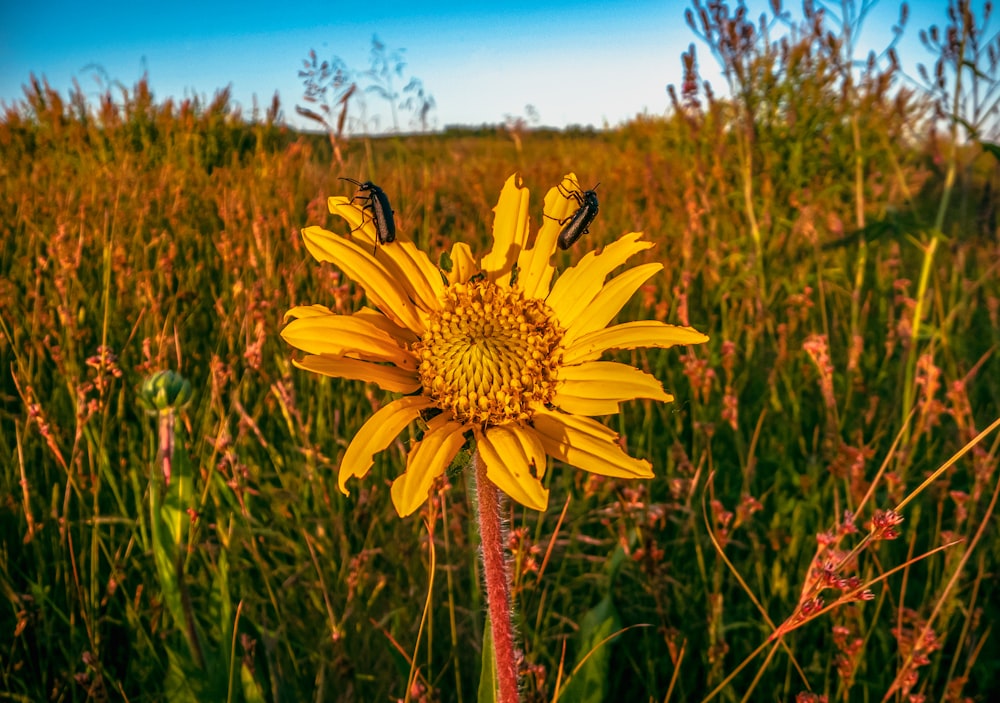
(559, 206)
(412, 266)
(579, 405)
(377, 434)
(407, 264)
(402, 335)
(630, 335)
(361, 222)
(388, 378)
(510, 231)
(303, 311)
(609, 301)
(347, 335)
(463, 264)
(405, 259)
(577, 287)
(427, 460)
(586, 444)
(360, 266)
(515, 462)
(534, 267)
(597, 387)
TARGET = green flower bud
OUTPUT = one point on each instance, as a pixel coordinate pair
(163, 391)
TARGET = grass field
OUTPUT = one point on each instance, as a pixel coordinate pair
(836, 240)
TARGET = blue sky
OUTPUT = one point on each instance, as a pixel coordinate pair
(583, 62)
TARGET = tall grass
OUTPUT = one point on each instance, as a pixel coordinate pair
(141, 234)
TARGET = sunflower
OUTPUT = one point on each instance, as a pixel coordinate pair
(490, 349)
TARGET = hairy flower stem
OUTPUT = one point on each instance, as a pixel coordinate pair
(491, 535)
(165, 433)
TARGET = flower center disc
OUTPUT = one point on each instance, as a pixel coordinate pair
(489, 354)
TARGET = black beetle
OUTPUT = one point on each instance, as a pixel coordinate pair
(576, 224)
(379, 207)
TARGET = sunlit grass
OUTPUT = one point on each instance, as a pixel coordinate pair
(139, 235)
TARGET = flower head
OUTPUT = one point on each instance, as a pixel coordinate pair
(164, 392)
(491, 349)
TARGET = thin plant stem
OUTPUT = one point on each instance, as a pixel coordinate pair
(497, 580)
(909, 389)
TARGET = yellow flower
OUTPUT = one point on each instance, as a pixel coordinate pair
(491, 348)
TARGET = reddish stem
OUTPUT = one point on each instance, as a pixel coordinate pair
(491, 535)
(166, 444)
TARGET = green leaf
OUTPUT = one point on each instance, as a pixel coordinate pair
(488, 672)
(252, 691)
(179, 497)
(220, 606)
(613, 566)
(991, 148)
(182, 684)
(164, 555)
(589, 680)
